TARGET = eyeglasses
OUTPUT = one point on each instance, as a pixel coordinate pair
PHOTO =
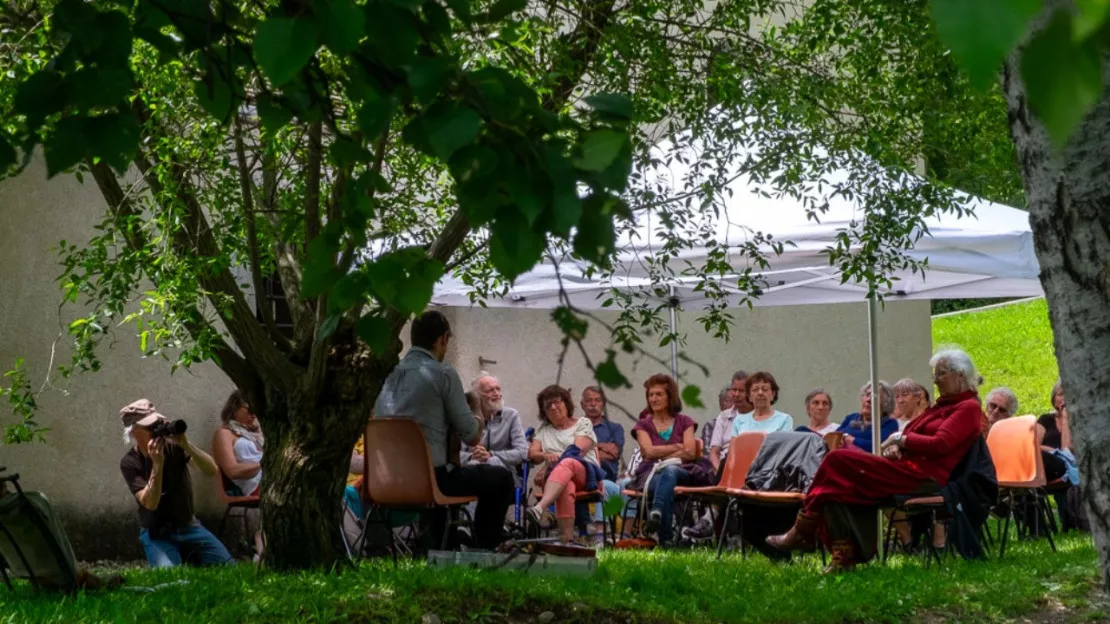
(994, 407)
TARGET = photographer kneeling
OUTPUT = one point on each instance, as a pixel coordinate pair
(156, 470)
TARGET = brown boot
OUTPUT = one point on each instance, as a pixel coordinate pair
(801, 536)
(843, 557)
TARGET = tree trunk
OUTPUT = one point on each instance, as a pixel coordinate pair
(307, 455)
(1068, 193)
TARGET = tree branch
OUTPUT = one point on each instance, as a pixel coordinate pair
(124, 212)
(312, 183)
(195, 238)
(582, 43)
(246, 188)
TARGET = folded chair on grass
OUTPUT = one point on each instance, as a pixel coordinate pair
(1015, 446)
(34, 546)
(398, 477)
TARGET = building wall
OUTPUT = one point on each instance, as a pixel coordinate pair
(77, 467)
(804, 347)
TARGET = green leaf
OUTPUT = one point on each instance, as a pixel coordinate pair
(65, 147)
(596, 239)
(7, 156)
(607, 373)
(375, 331)
(472, 163)
(443, 129)
(283, 46)
(328, 327)
(437, 18)
(98, 87)
(274, 116)
(514, 246)
(419, 285)
(600, 149)
(214, 96)
(691, 396)
(461, 9)
(566, 205)
(982, 32)
(40, 96)
(112, 138)
(114, 30)
(345, 152)
(611, 104)
(391, 32)
(1090, 16)
(428, 76)
(1063, 78)
(504, 8)
(376, 113)
(342, 22)
(613, 507)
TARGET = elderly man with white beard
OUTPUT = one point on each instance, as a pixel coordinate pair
(503, 442)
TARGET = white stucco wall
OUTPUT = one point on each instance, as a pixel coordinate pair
(804, 347)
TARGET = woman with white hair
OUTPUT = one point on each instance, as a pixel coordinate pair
(911, 399)
(849, 485)
(857, 426)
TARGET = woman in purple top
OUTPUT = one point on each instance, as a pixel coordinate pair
(664, 434)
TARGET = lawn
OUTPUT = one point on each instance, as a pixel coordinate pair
(1011, 345)
(688, 586)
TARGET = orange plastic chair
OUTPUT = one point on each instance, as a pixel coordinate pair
(398, 473)
(242, 503)
(1015, 446)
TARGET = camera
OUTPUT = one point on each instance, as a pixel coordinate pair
(164, 428)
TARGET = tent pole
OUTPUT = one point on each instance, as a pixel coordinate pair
(673, 301)
(876, 404)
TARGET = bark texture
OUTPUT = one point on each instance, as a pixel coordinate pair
(1068, 194)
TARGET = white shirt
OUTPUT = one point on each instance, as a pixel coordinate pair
(556, 441)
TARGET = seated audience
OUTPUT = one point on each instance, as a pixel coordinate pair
(1057, 429)
(237, 446)
(722, 425)
(818, 406)
(857, 426)
(666, 439)
(503, 443)
(1057, 452)
(1002, 403)
(237, 450)
(706, 435)
(610, 446)
(763, 392)
(840, 504)
(911, 399)
(565, 446)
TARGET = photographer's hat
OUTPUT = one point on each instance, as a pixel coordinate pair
(140, 413)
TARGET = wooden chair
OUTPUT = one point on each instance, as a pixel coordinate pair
(1015, 446)
(243, 503)
(398, 476)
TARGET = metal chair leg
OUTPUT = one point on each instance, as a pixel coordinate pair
(724, 528)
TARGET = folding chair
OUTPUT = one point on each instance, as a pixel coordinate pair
(398, 476)
(243, 503)
(33, 544)
(1015, 446)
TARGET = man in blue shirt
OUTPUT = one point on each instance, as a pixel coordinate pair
(610, 435)
(423, 388)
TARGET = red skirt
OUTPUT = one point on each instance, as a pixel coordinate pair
(856, 478)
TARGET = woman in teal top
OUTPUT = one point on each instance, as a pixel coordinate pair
(763, 392)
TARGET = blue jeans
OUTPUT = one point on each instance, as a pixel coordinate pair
(194, 545)
(662, 497)
(609, 490)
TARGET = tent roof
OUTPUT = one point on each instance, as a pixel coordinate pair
(989, 254)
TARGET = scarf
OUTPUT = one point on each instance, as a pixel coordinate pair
(254, 435)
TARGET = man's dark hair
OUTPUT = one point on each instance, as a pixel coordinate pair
(427, 328)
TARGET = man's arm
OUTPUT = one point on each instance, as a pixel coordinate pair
(150, 492)
(203, 461)
(459, 417)
(518, 451)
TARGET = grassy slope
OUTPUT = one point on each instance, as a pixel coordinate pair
(1012, 346)
(629, 586)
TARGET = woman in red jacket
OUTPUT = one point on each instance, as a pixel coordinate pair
(917, 461)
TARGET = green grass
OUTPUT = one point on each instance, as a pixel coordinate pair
(1011, 345)
(629, 586)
